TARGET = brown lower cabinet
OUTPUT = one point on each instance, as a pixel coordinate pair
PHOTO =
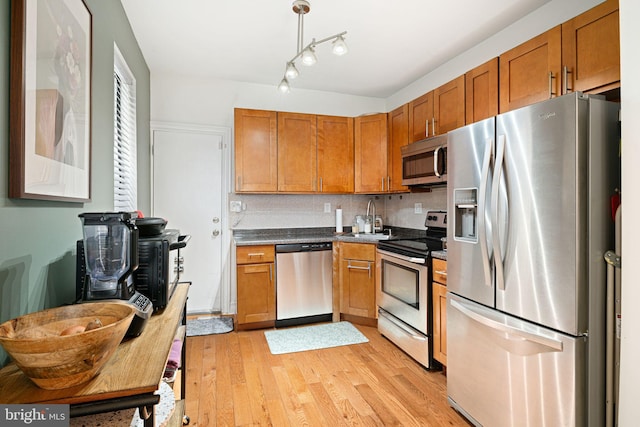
(357, 278)
(439, 294)
(256, 286)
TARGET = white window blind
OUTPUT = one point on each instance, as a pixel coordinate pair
(125, 184)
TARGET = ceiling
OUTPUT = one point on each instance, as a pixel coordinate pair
(392, 43)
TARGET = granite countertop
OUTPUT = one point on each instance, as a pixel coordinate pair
(275, 236)
(439, 254)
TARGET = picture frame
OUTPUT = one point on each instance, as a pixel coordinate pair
(50, 100)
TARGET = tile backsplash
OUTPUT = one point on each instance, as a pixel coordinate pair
(296, 211)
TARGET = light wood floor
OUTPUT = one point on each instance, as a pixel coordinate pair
(233, 380)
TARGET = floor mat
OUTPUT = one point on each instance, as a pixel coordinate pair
(313, 337)
(209, 326)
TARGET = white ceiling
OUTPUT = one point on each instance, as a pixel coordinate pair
(391, 43)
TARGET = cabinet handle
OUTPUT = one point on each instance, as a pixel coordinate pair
(565, 80)
(433, 126)
(357, 267)
(382, 182)
(426, 128)
(321, 184)
(551, 78)
(388, 183)
(271, 272)
(260, 254)
(442, 273)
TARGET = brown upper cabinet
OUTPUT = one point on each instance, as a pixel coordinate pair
(481, 92)
(280, 152)
(371, 157)
(438, 111)
(297, 155)
(581, 54)
(591, 50)
(335, 154)
(256, 151)
(448, 106)
(398, 125)
(530, 72)
(421, 119)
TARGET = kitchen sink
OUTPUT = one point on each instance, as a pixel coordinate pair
(369, 236)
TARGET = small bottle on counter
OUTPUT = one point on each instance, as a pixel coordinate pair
(367, 225)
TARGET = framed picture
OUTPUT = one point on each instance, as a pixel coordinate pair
(50, 100)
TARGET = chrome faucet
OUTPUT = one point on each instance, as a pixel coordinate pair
(373, 216)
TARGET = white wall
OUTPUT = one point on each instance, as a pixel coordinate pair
(630, 351)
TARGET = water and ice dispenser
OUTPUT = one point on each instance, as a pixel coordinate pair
(465, 214)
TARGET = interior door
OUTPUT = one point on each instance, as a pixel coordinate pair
(187, 191)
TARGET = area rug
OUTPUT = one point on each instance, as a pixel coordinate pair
(209, 326)
(313, 337)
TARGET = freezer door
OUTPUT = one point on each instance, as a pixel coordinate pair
(469, 248)
(541, 158)
(502, 371)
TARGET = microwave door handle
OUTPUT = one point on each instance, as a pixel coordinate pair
(482, 207)
(435, 161)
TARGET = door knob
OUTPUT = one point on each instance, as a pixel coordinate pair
(216, 220)
(216, 233)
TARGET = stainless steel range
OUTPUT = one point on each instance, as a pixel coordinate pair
(404, 289)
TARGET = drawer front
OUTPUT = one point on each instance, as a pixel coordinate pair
(363, 251)
(440, 271)
(255, 254)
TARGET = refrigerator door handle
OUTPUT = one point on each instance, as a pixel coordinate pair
(497, 249)
(549, 343)
(482, 198)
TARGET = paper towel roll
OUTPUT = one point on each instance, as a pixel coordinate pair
(339, 220)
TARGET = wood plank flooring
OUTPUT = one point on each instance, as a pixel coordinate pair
(234, 380)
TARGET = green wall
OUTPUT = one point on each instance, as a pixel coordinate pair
(37, 238)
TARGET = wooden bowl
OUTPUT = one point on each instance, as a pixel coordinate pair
(55, 361)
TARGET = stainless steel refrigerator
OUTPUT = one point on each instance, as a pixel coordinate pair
(529, 222)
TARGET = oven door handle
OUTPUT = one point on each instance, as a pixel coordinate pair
(413, 260)
(181, 243)
(404, 328)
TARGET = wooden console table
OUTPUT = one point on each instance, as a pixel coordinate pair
(128, 380)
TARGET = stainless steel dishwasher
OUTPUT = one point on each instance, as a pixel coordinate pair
(304, 281)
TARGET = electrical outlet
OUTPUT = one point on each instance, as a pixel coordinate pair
(235, 206)
(327, 208)
(417, 208)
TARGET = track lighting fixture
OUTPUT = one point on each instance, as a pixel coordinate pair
(307, 53)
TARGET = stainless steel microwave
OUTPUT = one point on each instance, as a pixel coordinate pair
(425, 162)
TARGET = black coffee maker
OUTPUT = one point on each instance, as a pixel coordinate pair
(107, 258)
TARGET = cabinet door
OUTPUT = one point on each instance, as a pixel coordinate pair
(530, 72)
(256, 293)
(398, 122)
(591, 49)
(448, 106)
(440, 323)
(358, 288)
(297, 156)
(371, 153)
(481, 92)
(256, 150)
(335, 154)
(421, 117)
